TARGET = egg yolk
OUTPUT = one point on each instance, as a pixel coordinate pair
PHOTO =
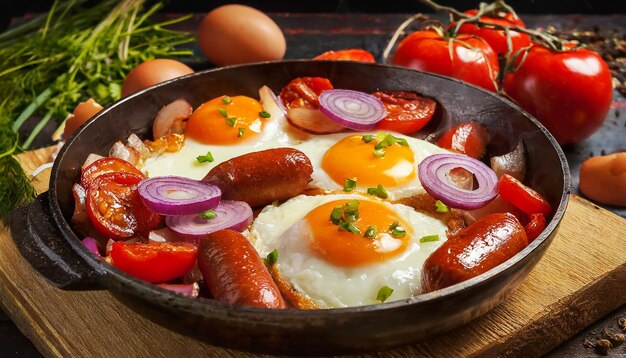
(351, 157)
(343, 248)
(226, 120)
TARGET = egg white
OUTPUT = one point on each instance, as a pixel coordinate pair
(283, 228)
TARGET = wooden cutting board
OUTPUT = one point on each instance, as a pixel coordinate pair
(581, 278)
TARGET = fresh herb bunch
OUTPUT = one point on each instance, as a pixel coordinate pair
(65, 56)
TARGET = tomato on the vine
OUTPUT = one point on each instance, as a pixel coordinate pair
(465, 57)
(570, 92)
(355, 54)
(497, 39)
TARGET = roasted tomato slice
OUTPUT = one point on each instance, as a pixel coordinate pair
(535, 227)
(406, 111)
(355, 54)
(154, 262)
(114, 206)
(469, 138)
(107, 165)
(304, 91)
(523, 197)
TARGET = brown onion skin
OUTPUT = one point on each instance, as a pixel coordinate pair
(485, 244)
(235, 273)
(261, 178)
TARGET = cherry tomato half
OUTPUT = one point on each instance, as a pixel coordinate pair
(535, 226)
(406, 111)
(465, 57)
(107, 165)
(570, 92)
(355, 54)
(497, 38)
(154, 262)
(114, 206)
(469, 138)
(304, 92)
(523, 197)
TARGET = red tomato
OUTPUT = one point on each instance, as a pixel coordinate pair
(523, 197)
(465, 57)
(303, 92)
(355, 54)
(469, 138)
(114, 206)
(569, 92)
(535, 227)
(154, 262)
(406, 111)
(107, 165)
(497, 38)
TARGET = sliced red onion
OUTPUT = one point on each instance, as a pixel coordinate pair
(312, 121)
(162, 235)
(169, 119)
(191, 289)
(230, 214)
(270, 102)
(352, 109)
(91, 245)
(513, 163)
(433, 173)
(172, 195)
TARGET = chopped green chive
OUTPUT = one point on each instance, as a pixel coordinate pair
(209, 214)
(371, 232)
(240, 132)
(231, 121)
(390, 140)
(384, 293)
(335, 215)
(352, 206)
(350, 227)
(441, 207)
(379, 153)
(380, 136)
(205, 158)
(265, 114)
(367, 138)
(223, 112)
(226, 100)
(349, 185)
(402, 142)
(271, 258)
(378, 191)
(429, 238)
(397, 230)
(384, 140)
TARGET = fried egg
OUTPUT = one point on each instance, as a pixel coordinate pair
(340, 156)
(337, 268)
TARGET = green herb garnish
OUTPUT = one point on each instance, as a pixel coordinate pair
(226, 100)
(349, 185)
(384, 140)
(379, 153)
(240, 132)
(441, 207)
(264, 114)
(345, 216)
(209, 214)
(271, 258)
(223, 112)
(429, 238)
(384, 293)
(397, 230)
(371, 232)
(378, 191)
(336, 214)
(208, 158)
(231, 121)
(367, 138)
(350, 227)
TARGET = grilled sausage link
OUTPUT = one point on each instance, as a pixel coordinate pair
(261, 178)
(474, 250)
(235, 273)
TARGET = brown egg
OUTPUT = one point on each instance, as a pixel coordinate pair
(152, 72)
(233, 34)
(603, 179)
(82, 112)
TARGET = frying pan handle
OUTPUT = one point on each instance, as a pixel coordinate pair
(42, 244)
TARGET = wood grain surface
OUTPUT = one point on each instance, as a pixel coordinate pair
(581, 278)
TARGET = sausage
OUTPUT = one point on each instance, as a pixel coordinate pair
(261, 178)
(485, 244)
(234, 272)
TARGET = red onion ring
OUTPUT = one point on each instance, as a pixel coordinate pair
(230, 214)
(433, 173)
(91, 245)
(352, 109)
(172, 195)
